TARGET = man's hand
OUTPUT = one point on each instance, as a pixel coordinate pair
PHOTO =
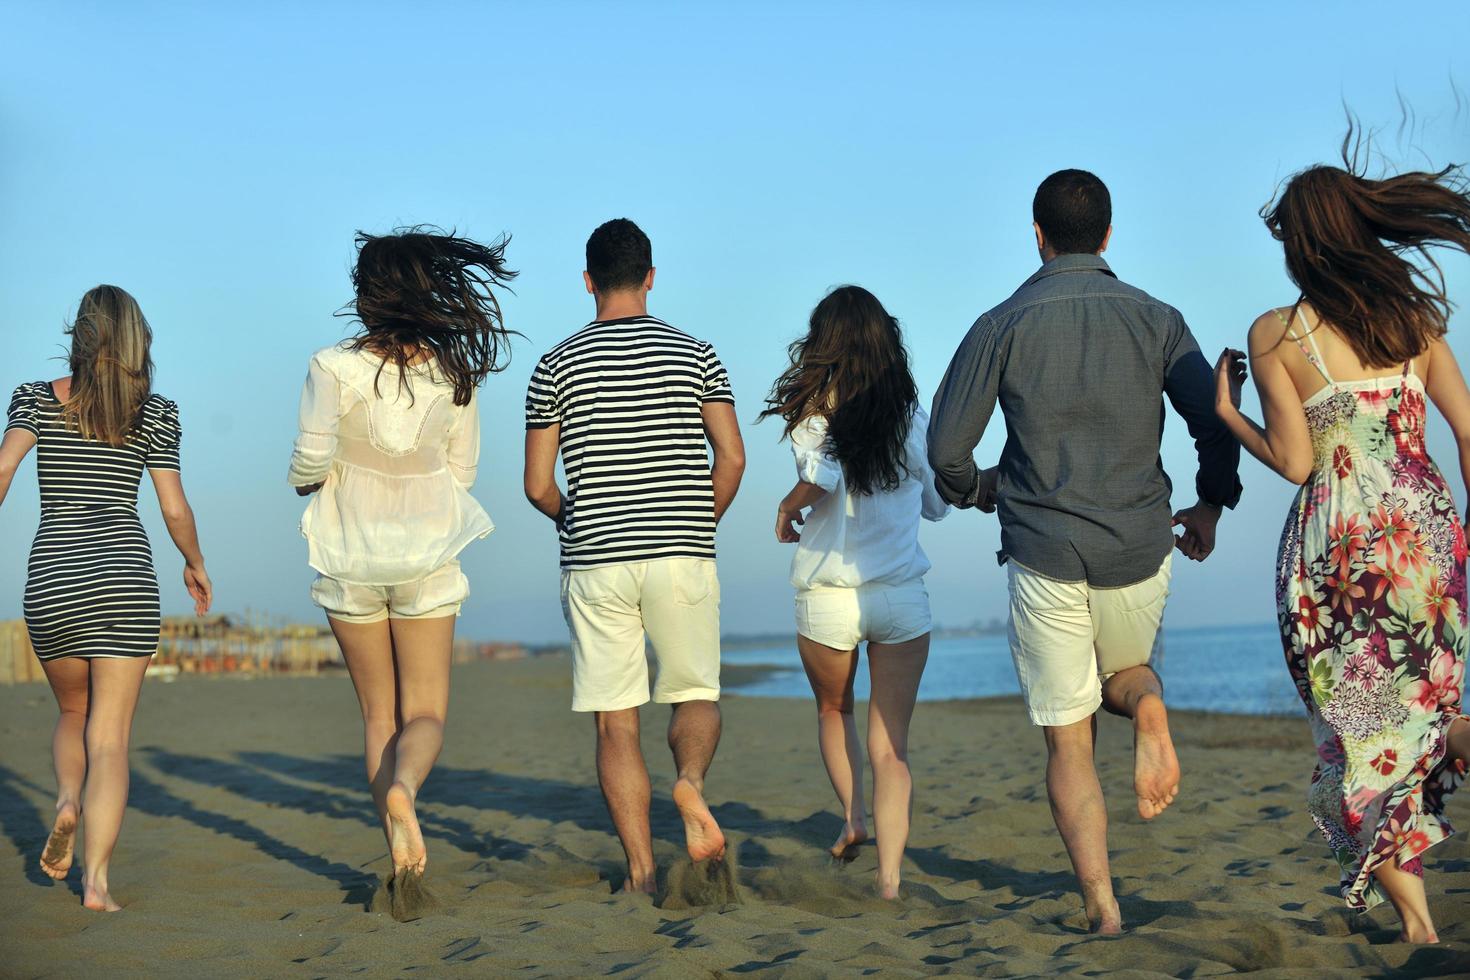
(985, 484)
(1198, 539)
(308, 490)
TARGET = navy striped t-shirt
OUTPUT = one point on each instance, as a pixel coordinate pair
(628, 394)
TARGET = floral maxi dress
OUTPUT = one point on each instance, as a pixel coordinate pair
(1370, 595)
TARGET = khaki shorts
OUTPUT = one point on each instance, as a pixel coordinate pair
(842, 618)
(608, 609)
(440, 593)
(1067, 638)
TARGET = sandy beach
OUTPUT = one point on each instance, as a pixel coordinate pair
(251, 849)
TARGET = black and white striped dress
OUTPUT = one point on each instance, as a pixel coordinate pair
(91, 590)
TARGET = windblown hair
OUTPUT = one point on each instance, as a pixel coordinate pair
(420, 291)
(852, 368)
(1350, 244)
(111, 367)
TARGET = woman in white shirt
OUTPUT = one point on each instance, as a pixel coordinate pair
(389, 441)
(852, 413)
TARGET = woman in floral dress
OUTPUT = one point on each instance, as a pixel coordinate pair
(1370, 584)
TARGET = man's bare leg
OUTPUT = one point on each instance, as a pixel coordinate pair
(694, 734)
(623, 776)
(1082, 818)
(1137, 694)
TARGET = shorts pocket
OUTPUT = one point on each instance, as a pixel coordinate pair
(590, 587)
(695, 582)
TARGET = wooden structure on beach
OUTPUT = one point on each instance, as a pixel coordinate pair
(224, 644)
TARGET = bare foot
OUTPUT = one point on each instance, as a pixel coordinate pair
(1418, 937)
(887, 889)
(96, 898)
(640, 886)
(1103, 917)
(1155, 766)
(701, 834)
(56, 858)
(405, 839)
(848, 842)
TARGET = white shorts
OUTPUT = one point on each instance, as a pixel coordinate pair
(842, 618)
(609, 608)
(1067, 638)
(440, 593)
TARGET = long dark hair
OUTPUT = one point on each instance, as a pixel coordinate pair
(1350, 241)
(851, 367)
(419, 290)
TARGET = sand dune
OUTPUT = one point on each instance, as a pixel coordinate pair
(251, 849)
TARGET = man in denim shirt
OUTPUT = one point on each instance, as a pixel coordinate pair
(1080, 363)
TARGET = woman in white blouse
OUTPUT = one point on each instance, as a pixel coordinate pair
(389, 442)
(852, 413)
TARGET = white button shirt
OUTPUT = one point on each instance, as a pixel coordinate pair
(397, 465)
(852, 539)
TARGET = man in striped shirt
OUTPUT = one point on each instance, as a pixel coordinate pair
(633, 405)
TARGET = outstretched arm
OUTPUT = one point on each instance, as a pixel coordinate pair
(722, 429)
(1283, 444)
(1187, 384)
(542, 445)
(962, 408)
(1446, 387)
(178, 516)
(13, 449)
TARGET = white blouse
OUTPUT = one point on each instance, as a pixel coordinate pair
(852, 539)
(397, 464)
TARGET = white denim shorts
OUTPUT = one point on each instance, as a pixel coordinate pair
(440, 593)
(609, 608)
(1067, 638)
(842, 618)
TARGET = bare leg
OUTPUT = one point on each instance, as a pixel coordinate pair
(1081, 816)
(623, 776)
(368, 650)
(1406, 892)
(115, 686)
(1136, 693)
(694, 734)
(422, 650)
(830, 672)
(1458, 740)
(894, 670)
(69, 679)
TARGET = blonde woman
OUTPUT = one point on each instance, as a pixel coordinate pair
(91, 598)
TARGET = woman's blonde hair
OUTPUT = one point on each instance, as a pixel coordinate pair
(111, 368)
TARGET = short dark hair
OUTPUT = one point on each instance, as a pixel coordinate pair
(619, 255)
(1074, 211)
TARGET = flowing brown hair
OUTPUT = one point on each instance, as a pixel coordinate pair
(851, 367)
(1350, 244)
(111, 366)
(422, 291)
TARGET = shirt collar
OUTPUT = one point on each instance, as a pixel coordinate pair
(1071, 262)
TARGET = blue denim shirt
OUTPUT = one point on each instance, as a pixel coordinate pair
(1080, 363)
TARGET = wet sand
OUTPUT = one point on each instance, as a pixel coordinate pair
(251, 849)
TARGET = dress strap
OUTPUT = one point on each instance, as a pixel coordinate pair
(1314, 353)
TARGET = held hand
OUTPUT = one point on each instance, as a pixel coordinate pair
(196, 580)
(1198, 539)
(308, 490)
(1229, 377)
(786, 532)
(985, 490)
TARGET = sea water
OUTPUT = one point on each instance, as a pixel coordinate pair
(1236, 670)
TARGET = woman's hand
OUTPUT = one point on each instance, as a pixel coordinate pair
(196, 580)
(786, 532)
(1229, 377)
(309, 489)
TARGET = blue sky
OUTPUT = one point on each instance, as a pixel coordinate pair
(216, 162)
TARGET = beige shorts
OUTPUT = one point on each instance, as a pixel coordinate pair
(440, 593)
(608, 610)
(842, 618)
(1067, 638)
